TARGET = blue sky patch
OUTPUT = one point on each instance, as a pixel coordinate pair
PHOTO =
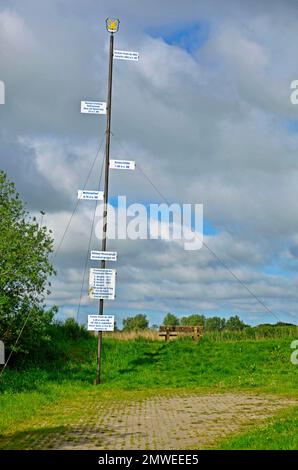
(208, 227)
(189, 37)
(292, 125)
(275, 270)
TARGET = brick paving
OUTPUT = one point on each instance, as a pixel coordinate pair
(160, 422)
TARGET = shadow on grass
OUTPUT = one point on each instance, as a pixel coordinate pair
(148, 358)
(30, 438)
(59, 437)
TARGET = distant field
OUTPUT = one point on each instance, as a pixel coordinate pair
(146, 368)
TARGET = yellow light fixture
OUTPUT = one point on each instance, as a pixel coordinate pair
(112, 25)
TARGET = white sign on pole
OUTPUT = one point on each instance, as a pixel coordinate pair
(103, 255)
(90, 195)
(101, 322)
(126, 55)
(123, 164)
(102, 283)
(97, 294)
(93, 107)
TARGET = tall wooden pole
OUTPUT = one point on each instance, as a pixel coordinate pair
(106, 194)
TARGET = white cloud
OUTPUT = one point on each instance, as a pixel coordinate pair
(207, 128)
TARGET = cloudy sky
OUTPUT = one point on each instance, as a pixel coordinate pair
(206, 113)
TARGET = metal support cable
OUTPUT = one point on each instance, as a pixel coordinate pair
(54, 255)
(77, 201)
(212, 252)
(89, 245)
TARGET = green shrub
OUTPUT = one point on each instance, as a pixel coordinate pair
(25, 266)
(138, 322)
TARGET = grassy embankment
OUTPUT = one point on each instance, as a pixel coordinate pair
(219, 362)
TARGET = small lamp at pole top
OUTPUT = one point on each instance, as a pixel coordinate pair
(112, 25)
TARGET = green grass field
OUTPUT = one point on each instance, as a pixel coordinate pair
(147, 366)
(278, 433)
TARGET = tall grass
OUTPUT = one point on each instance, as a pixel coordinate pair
(133, 335)
(253, 333)
(249, 333)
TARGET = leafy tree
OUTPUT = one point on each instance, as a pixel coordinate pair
(138, 322)
(193, 320)
(73, 330)
(170, 320)
(234, 323)
(215, 324)
(24, 269)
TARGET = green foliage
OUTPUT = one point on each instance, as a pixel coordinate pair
(24, 270)
(214, 324)
(72, 330)
(64, 357)
(253, 333)
(222, 329)
(279, 433)
(234, 323)
(138, 322)
(267, 331)
(241, 364)
(222, 365)
(193, 320)
(170, 320)
(142, 363)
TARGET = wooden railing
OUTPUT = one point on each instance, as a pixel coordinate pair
(173, 331)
